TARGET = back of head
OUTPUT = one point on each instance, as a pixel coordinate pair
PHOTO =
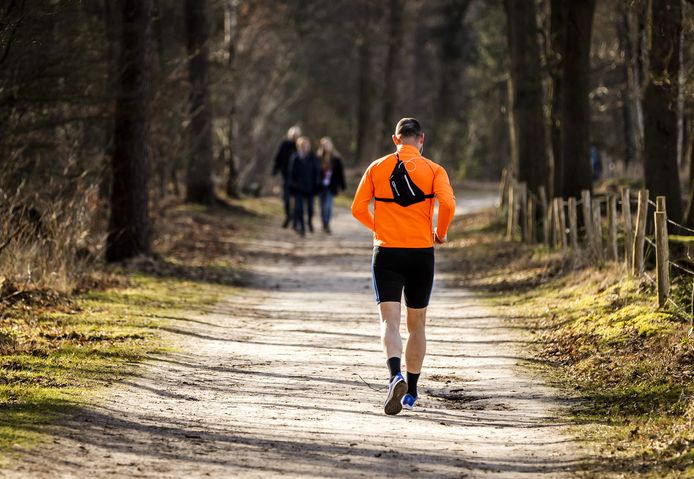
(294, 133)
(408, 128)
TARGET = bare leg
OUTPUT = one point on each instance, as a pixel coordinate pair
(416, 346)
(389, 312)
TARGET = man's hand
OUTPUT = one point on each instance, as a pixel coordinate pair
(439, 240)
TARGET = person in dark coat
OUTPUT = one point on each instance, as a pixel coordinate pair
(332, 179)
(284, 153)
(304, 177)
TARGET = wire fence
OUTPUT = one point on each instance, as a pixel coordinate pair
(604, 220)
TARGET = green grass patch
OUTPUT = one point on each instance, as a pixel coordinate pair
(601, 335)
(57, 351)
(54, 357)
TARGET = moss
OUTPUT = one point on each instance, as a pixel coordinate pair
(60, 356)
(600, 334)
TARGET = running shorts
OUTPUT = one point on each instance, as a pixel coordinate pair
(411, 269)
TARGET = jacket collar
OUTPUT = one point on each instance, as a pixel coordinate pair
(408, 151)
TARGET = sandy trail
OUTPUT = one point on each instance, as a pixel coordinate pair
(266, 385)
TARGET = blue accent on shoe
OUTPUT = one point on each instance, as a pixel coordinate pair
(408, 401)
(396, 390)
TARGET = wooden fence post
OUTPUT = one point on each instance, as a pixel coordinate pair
(549, 222)
(640, 236)
(556, 239)
(544, 214)
(597, 229)
(662, 254)
(628, 229)
(587, 218)
(562, 222)
(573, 223)
(612, 228)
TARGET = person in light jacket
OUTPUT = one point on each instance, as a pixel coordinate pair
(332, 179)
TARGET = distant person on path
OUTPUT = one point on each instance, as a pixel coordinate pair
(304, 178)
(285, 151)
(595, 162)
(404, 185)
(332, 179)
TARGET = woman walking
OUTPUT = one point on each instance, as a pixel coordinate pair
(304, 177)
(332, 179)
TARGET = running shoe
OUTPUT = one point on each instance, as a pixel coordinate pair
(408, 401)
(396, 390)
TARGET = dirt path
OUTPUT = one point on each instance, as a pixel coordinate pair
(266, 385)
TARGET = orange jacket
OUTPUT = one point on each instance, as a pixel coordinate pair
(396, 226)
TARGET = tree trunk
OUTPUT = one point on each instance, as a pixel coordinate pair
(575, 103)
(128, 234)
(199, 174)
(453, 39)
(110, 85)
(231, 33)
(527, 93)
(390, 94)
(660, 105)
(557, 40)
(365, 100)
(631, 96)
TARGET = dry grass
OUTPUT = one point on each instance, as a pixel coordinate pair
(62, 336)
(601, 335)
(48, 242)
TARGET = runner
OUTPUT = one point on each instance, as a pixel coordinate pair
(286, 149)
(404, 185)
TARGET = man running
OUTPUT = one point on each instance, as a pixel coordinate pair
(403, 257)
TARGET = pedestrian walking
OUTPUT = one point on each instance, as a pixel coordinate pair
(284, 153)
(404, 186)
(304, 177)
(332, 179)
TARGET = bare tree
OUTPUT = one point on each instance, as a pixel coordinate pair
(660, 104)
(557, 38)
(128, 234)
(575, 105)
(527, 92)
(390, 94)
(199, 179)
(231, 33)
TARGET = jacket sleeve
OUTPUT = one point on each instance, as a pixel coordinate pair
(362, 199)
(446, 198)
(277, 166)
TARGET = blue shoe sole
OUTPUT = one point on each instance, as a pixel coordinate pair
(393, 405)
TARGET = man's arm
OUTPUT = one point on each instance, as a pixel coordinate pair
(278, 160)
(362, 199)
(444, 194)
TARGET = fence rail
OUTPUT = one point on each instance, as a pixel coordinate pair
(555, 222)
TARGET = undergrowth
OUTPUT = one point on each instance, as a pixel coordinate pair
(601, 335)
(58, 347)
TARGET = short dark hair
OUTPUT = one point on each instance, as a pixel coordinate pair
(408, 127)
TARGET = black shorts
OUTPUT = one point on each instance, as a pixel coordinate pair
(411, 269)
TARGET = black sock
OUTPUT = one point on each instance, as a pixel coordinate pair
(412, 379)
(393, 366)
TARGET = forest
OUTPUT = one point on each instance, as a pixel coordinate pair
(109, 108)
(116, 113)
